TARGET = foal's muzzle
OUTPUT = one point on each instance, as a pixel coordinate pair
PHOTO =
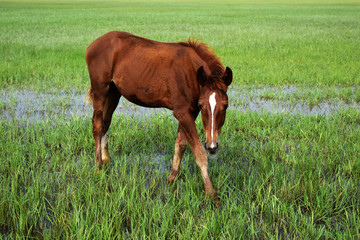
(212, 148)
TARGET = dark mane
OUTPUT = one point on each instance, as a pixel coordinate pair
(206, 54)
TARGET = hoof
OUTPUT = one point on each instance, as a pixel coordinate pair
(214, 197)
(172, 176)
(216, 200)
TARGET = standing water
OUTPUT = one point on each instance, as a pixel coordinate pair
(32, 106)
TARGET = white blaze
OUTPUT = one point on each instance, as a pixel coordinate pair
(212, 102)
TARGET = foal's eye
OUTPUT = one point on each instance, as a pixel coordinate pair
(200, 106)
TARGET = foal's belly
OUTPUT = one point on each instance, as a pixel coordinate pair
(147, 101)
(145, 93)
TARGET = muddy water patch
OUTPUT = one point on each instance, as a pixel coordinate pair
(27, 105)
(290, 100)
(33, 106)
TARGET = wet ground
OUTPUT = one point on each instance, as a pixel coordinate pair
(257, 100)
(33, 106)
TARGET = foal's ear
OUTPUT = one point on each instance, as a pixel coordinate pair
(201, 76)
(228, 76)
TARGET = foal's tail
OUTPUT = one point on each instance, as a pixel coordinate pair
(90, 96)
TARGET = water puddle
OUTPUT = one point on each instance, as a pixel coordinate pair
(276, 101)
(32, 106)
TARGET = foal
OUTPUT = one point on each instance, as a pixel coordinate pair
(185, 77)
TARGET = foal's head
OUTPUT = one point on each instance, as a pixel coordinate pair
(213, 103)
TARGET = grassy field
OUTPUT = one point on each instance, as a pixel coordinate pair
(43, 43)
(279, 176)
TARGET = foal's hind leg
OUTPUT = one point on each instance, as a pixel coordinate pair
(111, 102)
(97, 121)
(100, 87)
(180, 146)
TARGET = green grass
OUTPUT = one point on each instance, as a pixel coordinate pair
(270, 43)
(279, 176)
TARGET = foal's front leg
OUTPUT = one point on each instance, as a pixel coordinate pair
(187, 121)
(180, 146)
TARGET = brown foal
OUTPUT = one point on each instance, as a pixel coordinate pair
(185, 77)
